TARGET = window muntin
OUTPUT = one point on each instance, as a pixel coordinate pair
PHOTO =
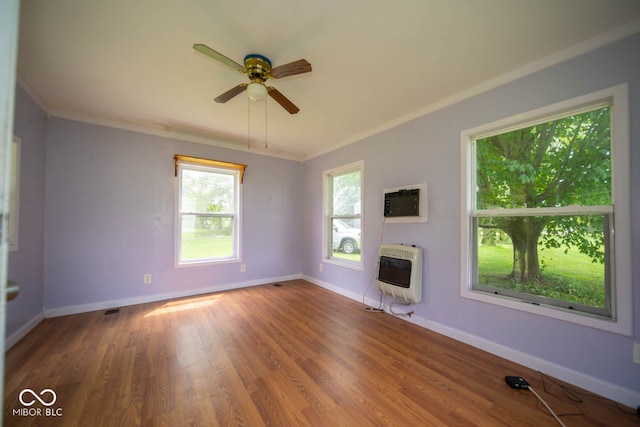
(208, 206)
(343, 224)
(618, 269)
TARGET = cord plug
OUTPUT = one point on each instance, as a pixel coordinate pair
(516, 382)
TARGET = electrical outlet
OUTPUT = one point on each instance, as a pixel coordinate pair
(243, 267)
(147, 278)
(636, 352)
(321, 267)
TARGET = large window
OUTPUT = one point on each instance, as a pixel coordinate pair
(540, 214)
(343, 214)
(208, 213)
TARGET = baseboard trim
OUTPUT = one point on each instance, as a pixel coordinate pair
(24, 330)
(603, 388)
(103, 305)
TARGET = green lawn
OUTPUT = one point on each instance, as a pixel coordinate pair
(571, 277)
(198, 245)
(347, 257)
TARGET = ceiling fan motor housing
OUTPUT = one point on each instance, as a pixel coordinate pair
(258, 67)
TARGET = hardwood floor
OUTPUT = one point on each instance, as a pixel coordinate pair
(289, 355)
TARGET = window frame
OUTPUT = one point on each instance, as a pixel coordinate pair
(328, 217)
(620, 303)
(211, 167)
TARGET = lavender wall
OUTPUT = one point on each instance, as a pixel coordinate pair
(26, 264)
(428, 150)
(110, 200)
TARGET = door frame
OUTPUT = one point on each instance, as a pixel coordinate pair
(9, 22)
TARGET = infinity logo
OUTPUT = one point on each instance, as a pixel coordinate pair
(37, 397)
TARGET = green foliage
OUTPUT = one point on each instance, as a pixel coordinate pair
(215, 207)
(558, 163)
(215, 225)
(204, 191)
(553, 164)
(208, 192)
(582, 232)
(346, 193)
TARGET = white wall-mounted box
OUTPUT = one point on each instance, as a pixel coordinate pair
(422, 216)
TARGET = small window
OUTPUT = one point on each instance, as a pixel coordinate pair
(343, 219)
(208, 213)
(541, 211)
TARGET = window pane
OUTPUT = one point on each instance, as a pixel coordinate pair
(557, 163)
(565, 261)
(346, 194)
(345, 238)
(204, 191)
(206, 237)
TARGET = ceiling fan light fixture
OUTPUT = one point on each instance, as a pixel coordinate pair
(257, 92)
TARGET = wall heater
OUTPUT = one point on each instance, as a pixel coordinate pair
(400, 272)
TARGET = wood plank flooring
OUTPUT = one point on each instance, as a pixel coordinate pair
(289, 355)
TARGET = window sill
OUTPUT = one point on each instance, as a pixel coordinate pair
(352, 265)
(205, 263)
(619, 326)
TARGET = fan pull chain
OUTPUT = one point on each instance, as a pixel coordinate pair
(248, 123)
(266, 145)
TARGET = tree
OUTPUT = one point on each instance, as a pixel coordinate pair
(346, 194)
(208, 192)
(553, 164)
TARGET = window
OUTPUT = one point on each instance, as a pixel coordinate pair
(208, 226)
(343, 215)
(539, 210)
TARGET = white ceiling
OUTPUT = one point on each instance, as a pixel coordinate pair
(376, 63)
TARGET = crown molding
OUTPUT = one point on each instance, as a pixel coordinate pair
(586, 46)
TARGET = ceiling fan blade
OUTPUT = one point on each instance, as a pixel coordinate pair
(218, 57)
(282, 100)
(231, 93)
(296, 67)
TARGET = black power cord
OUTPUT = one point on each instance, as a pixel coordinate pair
(575, 396)
(521, 384)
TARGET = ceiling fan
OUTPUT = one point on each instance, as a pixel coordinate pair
(258, 69)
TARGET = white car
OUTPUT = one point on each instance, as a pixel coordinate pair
(346, 238)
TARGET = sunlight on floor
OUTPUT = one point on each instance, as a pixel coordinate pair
(184, 304)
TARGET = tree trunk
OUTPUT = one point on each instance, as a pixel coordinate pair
(519, 269)
(514, 227)
(525, 233)
(533, 265)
